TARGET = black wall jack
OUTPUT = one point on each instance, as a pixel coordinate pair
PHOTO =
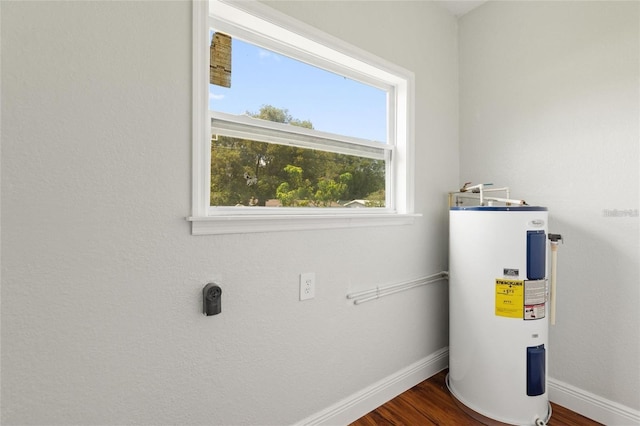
(211, 299)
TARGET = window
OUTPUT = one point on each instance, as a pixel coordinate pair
(313, 133)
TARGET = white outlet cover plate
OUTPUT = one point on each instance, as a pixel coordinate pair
(307, 285)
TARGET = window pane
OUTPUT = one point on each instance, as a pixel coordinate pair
(250, 173)
(304, 93)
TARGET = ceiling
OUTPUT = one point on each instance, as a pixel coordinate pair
(460, 7)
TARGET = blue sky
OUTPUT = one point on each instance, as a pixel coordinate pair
(332, 103)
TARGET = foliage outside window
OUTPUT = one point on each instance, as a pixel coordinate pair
(251, 173)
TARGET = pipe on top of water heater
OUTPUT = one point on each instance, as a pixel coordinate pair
(480, 189)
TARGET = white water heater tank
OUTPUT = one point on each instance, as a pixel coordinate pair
(498, 314)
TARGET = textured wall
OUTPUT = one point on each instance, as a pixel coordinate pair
(549, 105)
(101, 279)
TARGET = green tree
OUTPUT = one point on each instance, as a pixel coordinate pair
(330, 191)
(244, 170)
(376, 199)
(279, 115)
(295, 191)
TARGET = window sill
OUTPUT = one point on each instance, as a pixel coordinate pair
(235, 224)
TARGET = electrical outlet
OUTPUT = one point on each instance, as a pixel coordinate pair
(307, 285)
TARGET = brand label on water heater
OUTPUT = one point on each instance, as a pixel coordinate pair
(511, 272)
(509, 298)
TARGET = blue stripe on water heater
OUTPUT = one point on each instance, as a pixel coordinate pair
(536, 375)
(536, 254)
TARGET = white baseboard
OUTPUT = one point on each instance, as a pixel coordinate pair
(592, 406)
(357, 405)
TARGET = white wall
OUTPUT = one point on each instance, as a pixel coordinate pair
(549, 105)
(101, 279)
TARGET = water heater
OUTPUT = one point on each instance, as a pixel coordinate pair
(498, 313)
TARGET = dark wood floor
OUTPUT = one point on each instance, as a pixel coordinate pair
(430, 403)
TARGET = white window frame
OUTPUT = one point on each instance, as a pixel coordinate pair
(273, 30)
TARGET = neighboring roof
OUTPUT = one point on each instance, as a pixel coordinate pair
(358, 202)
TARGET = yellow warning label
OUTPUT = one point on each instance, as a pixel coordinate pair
(509, 298)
